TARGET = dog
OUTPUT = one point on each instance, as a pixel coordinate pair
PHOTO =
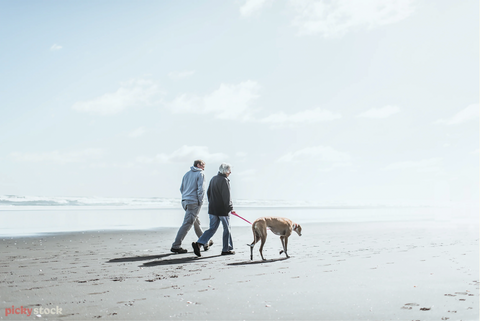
(279, 226)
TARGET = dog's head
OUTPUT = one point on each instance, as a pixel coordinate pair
(297, 228)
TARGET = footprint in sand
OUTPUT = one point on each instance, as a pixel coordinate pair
(408, 306)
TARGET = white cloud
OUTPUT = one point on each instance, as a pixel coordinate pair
(335, 18)
(177, 75)
(137, 132)
(241, 154)
(184, 154)
(55, 47)
(251, 7)
(426, 165)
(227, 102)
(383, 112)
(248, 175)
(308, 116)
(135, 93)
(318, 154)
(472, 112)
(58, 157)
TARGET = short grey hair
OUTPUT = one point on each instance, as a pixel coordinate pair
(225, 168)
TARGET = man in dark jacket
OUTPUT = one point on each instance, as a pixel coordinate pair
(219, 208)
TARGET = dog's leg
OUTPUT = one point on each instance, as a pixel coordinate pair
(285, 246)
(284, 240)
(255, 240)
(263, 238)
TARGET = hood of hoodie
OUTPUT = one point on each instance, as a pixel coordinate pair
(196, 169)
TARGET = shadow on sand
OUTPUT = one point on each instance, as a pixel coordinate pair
(181, 260)
(258, 262)
(139, 258)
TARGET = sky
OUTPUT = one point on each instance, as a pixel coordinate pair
(321, 101)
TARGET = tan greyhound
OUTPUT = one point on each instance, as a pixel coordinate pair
(279, 226)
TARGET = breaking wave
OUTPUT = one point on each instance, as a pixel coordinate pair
(16, 201)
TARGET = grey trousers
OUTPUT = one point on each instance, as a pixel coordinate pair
(191, 218)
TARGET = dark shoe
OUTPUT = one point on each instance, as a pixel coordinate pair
(228, 253)
(207, 246)
(196, 248)
(179, 250)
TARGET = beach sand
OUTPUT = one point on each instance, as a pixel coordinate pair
(427, 270)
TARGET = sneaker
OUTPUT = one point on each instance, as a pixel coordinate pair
(228, 252)
(196, 248)
(179, 250)
(207, 246)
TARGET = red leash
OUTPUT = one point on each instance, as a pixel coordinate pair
(244, 219)
(240, 217)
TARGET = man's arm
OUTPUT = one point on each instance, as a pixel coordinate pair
(227, 202)
(201, 188)
(182, 188)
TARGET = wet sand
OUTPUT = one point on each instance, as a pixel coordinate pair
(425, 270)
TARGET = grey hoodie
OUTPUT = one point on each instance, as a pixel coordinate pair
(193, 186)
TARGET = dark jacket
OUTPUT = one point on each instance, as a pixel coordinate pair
(218, 193)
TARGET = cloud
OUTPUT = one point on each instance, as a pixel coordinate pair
(58, 157)
(137, 132)
(241, 154)
(472, 112)
(227, 102)
(252, 7)
(55, 47)
(426, 165)
(335, 18)
(135, 93)
(248, 175)
(308, 116)
(184, 154)
(383, 112)
(317, 154)
(177, 75)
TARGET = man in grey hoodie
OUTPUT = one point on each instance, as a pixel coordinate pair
(193, 192)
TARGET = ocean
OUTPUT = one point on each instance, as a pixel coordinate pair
(26, 215)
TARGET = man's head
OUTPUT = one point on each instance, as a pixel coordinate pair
(199, 164)
(225, 169)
